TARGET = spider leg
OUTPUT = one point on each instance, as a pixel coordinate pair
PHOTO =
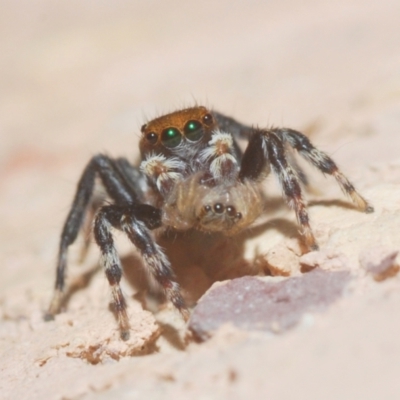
(291, 186)
(229, 124)
(94, 205)
(266, 150)
(107, 170)
(135, 221)
(242, 131)
(299, 171)
(269, 146)
(131, 177)
(235, 128)
(134, 180)
(323, 162)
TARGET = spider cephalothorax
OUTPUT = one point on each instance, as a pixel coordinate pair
(193, 175)
(195, 167)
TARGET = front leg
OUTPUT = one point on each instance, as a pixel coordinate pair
(266, 150)
(291, 186)
(242, 131)
(323, 162)
(135, 221)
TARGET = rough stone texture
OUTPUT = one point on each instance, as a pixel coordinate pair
(79, 77)
(327, 259)
(261, 304)
(283, 259)
(380, 262)
(83, 332)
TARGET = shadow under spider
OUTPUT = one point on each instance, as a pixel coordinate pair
(284, 226)
(213, 254)
(334, 202)
(79, 282)
(196, 258)
(177, 243)
(171, 334)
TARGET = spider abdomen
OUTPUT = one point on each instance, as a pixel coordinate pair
(226, 208)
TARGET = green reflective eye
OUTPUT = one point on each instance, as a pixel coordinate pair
(171, 137)
(193, 130)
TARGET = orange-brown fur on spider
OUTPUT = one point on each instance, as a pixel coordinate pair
(193, 175)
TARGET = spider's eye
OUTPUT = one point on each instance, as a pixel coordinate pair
(219, 208)
(208, 119)
(171, 137)
(193, 130)
(152, 137)
(230, 210)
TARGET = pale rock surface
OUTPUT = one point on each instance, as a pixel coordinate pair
(80, 77)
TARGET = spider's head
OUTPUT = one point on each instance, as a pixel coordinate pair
(228, 209)
(180, 132)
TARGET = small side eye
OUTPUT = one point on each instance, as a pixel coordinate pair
(152, 137)
(171, 137)
(230, 210)
(193, 130)
(208, 119)
(143, 128)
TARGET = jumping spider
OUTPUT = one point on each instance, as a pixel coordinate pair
(192, 175)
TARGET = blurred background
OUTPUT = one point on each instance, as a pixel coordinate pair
(80, 77)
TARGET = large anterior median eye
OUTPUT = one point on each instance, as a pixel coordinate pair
(193, 130)
(171, 137)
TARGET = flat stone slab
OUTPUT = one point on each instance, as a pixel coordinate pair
(252, 303)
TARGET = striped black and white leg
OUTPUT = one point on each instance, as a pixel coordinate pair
(265, 151)
(323, 162)
(135, 221)
(112, 179)
(290, 184)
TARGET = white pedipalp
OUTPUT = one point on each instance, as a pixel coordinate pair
(162, 170)
(220, 143)
(220, 150)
